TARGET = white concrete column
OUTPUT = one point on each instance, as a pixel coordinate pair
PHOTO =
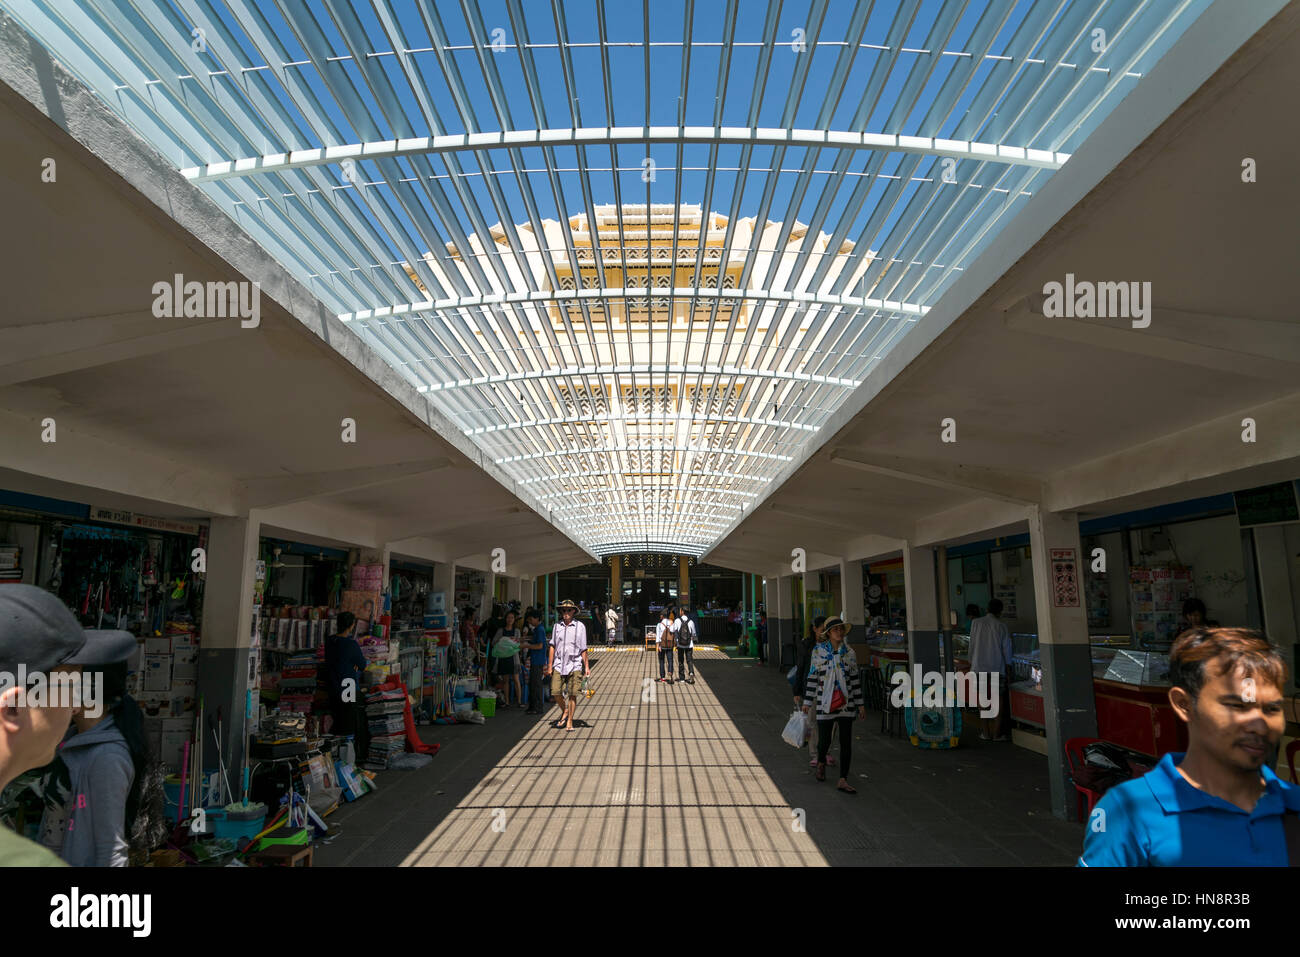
(227, 629)
(514, 589)
(851, 599)
(1066, 657)
(1273, 566)
(922, 607)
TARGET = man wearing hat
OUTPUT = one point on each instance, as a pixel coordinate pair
(567, 663)
(38, 636)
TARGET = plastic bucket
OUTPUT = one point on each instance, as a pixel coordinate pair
(487, 704)
(171, 796)
(232, 824)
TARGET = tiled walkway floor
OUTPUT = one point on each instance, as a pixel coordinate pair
(698, 775)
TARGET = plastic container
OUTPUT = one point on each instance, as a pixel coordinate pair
(171, 796)
(232, 824)
(487, 704)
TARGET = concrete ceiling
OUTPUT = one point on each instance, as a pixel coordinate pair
(1091, 415)
(203, 417)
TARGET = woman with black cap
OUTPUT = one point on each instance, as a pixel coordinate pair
(92, 789)
(833, 693)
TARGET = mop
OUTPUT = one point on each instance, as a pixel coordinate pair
(182, 796)
(221, 760)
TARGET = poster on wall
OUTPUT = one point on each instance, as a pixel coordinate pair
(1007, 595)
(1065, 578)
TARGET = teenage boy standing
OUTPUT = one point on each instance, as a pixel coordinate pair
(1219, 804)
(536, 646)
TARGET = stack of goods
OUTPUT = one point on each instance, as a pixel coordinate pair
(385, 710)
(382, 659)
(167, 682)
(296, 627)
(298, 682)
(11, 569)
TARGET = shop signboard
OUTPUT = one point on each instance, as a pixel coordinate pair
(117, 516)
(1267, 505)
(1065, 578)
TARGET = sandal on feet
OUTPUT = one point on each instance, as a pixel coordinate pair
(821, 772)
(846, 788)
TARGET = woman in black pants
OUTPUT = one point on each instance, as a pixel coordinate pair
(834, 694)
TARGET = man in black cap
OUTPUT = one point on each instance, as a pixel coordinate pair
(38, 638)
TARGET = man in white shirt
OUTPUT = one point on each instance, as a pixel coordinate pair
(568, 664)
(684, 638)
(664, 643)
(611, 624)
(990, 651)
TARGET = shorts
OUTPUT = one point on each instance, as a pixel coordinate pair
(504, 666)
(570, 684)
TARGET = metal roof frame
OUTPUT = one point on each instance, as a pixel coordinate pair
(439, 193)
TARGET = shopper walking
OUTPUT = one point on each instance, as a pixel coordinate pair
(990, 651)
(92, 788)
(802, 667)
(611, 624)
(39, 634)
(833, 694)
(535, 644)
(664, 643)
(507, 670)
(567, 663)
(345, 667)
(684, 638)
(1218, 804)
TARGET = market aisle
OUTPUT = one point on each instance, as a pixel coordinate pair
(659, 775)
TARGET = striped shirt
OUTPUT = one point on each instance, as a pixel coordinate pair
(817, 675)
(570, 641)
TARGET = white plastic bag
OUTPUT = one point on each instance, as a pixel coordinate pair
(795, 730)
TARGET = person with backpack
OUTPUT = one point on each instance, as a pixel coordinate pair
(684, 637)
(664, 643)
(92, 788)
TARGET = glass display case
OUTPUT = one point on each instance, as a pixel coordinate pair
(1131, 667)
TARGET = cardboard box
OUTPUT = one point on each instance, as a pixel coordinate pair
(157, 672)
(154, 645)
(188, 641)
(171, 747)
(185, 665)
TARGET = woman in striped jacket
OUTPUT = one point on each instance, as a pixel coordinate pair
(833, 692)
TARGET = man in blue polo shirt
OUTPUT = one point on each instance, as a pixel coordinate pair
(1218, 805)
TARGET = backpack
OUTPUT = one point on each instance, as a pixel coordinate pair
(688, 630)
(666, 641)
